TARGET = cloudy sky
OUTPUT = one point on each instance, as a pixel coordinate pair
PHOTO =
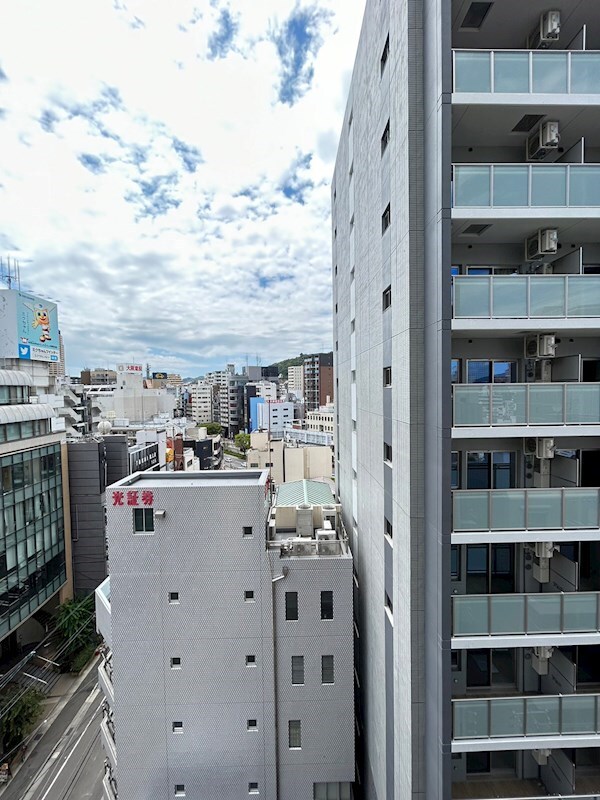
(165, 170)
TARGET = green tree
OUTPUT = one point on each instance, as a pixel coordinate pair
(242, 441)
(214, 429)
(76, 623)
(18, 715)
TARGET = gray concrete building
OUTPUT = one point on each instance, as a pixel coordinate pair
(229, 630)
(466, 252)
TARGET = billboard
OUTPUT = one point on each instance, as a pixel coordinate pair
(160, 376)
(28, 327)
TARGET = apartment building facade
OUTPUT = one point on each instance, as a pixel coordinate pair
(228, 625)
(201, 402)
(317, 371)
(465, 206)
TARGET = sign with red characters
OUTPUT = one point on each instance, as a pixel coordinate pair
(133, 497)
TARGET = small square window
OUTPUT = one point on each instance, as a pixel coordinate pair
(291, 605)
(247, 530)
(177, 726)
(173, 597)
(326, 605)
(175, 662)
(385, 139)
(250, 661)
(385, 54)
(387, 452)
(386, 219)
(252, 725)
(143, 520)
(387, 298)
(253, 788)
(249, 596)
(387, 376)
(180, 790)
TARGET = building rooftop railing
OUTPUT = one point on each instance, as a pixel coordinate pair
(526, 72)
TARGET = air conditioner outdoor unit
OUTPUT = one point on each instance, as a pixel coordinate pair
(540, 143)
(546, 32)
(544, 448)
(530, 446)
(542, 243)
(540, 345)
(325, 535)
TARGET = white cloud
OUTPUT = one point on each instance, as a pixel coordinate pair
(145, 179)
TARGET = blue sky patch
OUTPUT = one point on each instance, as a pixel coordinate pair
(189, 154)
(220, 40)
(93, 163)
(295, 184)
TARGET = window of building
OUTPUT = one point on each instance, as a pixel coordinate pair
(495, 470)
(177, 726)
(455, 562)
(386, 219)
(387, 452)
(385, 54)
(388, 603)
(327, 675)
(252, 725)
(332, 791)
(173, 597)
(455, 370)
(387, 376)
(180, 790)
(389, 531)
(385, 139)
(455, 660)
(291, 605)
(175, 662)
(295, 734)
(454, 470)
(247, 530)
(490, 569)
(251, 661)
(297, 670)
(387, 298)
(253, 788)
(326, 605)
(249, 596)
(143, 520)
(491, 371)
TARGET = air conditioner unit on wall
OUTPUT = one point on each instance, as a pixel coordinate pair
(544, 448)
(540, 143)
(540, 345)
(545, 32)
(542, 243)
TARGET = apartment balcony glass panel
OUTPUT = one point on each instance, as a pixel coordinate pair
(526, 404)
(521, 614)
(526, 72)
(526, 509)
(546, 715)
(526, 185)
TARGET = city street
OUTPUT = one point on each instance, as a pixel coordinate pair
(68, 762)
(230, 462)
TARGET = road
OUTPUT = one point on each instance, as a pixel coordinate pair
(68, 762)
(230, 462)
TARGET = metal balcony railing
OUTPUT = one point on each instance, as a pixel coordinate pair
(526, 72)
(521, 614)
(533, 716)
(526, 296)
(525, 509)
(526, 185)
(526, 404)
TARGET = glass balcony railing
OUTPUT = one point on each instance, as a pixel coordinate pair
(525, 509)
(526, 72)
(541, 715)
(526, 404)
(526, 185)
(526, 296)
(521, 614)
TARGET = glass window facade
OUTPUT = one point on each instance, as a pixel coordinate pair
(14, 431)
(13, 395)
(32, 546)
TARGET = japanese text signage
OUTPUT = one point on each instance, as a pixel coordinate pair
(132, 497)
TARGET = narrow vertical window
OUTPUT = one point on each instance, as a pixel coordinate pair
(385, 54)
(297, 670)
(327, 675)
(326, 605)
(385, 139)
(291, 605)
(295, 734)
(386, 219)
(387, 298)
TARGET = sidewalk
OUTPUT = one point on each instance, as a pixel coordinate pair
(62, 692)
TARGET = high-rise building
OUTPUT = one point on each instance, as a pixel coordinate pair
(57, 369)
(466, 245)
(229, 625)
(318, 380)
(296, 380)
(201, 402)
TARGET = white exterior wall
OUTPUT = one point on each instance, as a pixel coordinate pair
(201, 396)
(274, 415)
(296, 379)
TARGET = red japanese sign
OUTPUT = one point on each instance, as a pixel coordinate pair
(133, 497)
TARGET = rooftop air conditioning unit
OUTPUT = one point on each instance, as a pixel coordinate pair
(304, 520)
(545, 32)
(544, 448)
(540, 143)
(540, 345)
(542, 243)
(325, 535)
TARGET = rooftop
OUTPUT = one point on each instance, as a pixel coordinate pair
(196, 480)
(315, 493)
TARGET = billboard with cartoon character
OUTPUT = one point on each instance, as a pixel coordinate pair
(28, 327)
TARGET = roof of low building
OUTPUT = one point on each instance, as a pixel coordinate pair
(315, 493)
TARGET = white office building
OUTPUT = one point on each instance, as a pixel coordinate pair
(274, 415)
(466, 253)
(201, 402)
(229, 632)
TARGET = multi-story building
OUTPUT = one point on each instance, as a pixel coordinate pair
(286, 462)
(35, 562)
(321, 420)
(295, 382)
(466, 244)
(201, 402)
(318, 380)
(98, 377)
(232, 408)
(273, 415)
(229, 668)
(57, 369)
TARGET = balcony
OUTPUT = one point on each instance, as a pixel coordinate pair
(107, 734)
(103, 611)
(525, 515)
(525, 409)
(539, 190)
(524, 723)
(500, 75)
(525, 620)
(526, 302)
(105, 679)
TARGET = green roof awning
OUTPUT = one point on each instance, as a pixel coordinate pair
(315, 493)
